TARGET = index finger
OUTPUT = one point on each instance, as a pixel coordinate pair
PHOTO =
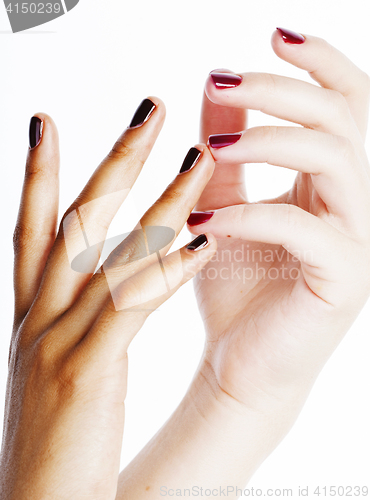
(329, 67)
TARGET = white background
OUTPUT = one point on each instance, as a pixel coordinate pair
(89, 70)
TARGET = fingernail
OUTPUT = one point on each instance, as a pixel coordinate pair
(197, 218)
(225, 80)
(291, 36)
(191, 159)
(198, 243)
(142, 113)
(35, 133)
(218, 141)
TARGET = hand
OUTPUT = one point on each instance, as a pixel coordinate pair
(68, 357)
(303, 258)
(269, 334)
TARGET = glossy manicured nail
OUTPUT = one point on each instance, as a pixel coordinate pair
(218, 141)
(198, 243)
(197, 218)
(142, 113)
(191, 159)
(291, 36)
(36, 126)
(225, 80)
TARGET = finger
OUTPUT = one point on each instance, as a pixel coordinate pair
(86, 222)
(338, 175)
(36, 225)
(136, 298)
(289, 99)
(151, 240)
(227, 186)
(321, 249)
(305, 236)
(161, 224)
(329, 67)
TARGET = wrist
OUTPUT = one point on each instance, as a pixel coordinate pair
(211, 440)
(268, 412)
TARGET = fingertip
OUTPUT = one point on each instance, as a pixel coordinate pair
(212, 242)
(220, 70)
(286, 41)
(42, 130)
(198, 154)
(206, 154)
(43, 150)
(160, 107)
(47, 121)
(210, 89)
(276, 40)
(222, 87)
(149, 116)
(203, 241)
(290, 37)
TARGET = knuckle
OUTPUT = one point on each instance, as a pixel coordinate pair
(270, 135)
(44, 352)
(338, 104)
(33, 170)
(172, 195)
(69, 379)
(24, 336)
(270, 83)
(22, 236)
(122, 151)
(37, 170)
(345, 151)
(131, 250)
(242, 214)
(365, 84)
(70, 224)
(290, 216)
(126, 297)
(65, 373)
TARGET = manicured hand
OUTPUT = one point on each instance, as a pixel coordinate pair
(68, 359)
(289, 277)
(291, 274)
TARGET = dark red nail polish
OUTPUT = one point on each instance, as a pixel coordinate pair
(142, 113)
(291, 36)
(198, 243)
(191, 159)
(218, 141)
(197, 218)
(35, 132)
(225, 80)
